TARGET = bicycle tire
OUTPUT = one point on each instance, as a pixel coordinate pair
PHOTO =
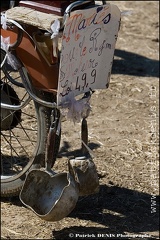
(11, 186)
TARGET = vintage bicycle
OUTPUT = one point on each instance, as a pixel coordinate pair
(54, 55)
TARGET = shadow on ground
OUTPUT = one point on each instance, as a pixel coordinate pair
(118, 209)
(133, 64)
(66, 152)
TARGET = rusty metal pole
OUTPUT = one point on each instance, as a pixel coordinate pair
(84, 135)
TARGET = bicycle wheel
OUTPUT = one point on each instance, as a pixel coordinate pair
(23, 132)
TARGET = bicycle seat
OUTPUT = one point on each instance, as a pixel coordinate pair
(54, 7)
(32, 17)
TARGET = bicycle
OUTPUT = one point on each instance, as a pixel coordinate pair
(35, 85)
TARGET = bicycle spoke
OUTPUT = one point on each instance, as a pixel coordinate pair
(11, 165)
(12, 149)
(22, 147)
(19, 128)
(20, 138)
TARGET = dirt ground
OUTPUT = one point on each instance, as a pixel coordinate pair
(123, 135)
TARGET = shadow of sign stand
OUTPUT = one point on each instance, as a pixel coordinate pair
(88, 45)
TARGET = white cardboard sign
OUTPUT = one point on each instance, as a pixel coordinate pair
(88, 45)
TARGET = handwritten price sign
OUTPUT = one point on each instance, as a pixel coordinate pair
(88, 45)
